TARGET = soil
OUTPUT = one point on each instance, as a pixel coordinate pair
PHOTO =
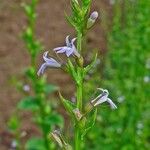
(51, 30)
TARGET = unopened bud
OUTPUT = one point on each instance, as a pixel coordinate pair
(80, 61)
(94, 15)
(92, 19)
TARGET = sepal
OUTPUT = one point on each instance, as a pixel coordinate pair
(69, 106)
(88, 67)
(89, 124)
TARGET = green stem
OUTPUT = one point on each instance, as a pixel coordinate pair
(79, 95)
(42, 115)
(77, 140)
(79, 41)
(79, 87)
(42, 104)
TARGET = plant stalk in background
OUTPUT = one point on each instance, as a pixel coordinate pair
(37, 102)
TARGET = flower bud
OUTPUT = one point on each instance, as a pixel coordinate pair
(80, 61)
(94, 15)
(92, 19)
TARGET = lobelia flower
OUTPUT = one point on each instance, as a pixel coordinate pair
(49, 62)
(69, 49)
(103, 98)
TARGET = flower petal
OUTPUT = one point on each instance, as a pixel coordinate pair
(63, 50)
(73, 40)
(112, 104)
(42, 69)
(48, 60)
(67, 41)
(69, 52)
(58, 48)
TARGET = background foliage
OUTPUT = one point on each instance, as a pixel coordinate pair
(127, 75)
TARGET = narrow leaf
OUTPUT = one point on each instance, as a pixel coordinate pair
(69, 106)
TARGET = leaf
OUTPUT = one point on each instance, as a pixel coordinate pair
(48, 121)
(71, 69)
(28, 103)
(35, 143)
(88, 68)
(90, 124)
(13, 123)
(49, 88)
(69, 106)
(30, 73)
(86, 5)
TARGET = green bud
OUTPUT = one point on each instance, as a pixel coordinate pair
(80, 61)
(92, 19)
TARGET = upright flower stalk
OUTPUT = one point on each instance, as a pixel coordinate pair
(38, 101)
(79, 112)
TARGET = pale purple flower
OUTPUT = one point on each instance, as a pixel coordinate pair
(69, 49)
(49, 62)
(103, 97)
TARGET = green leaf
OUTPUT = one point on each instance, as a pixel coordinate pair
(90, 124)
(28, 103)
(13, 123)
(69, 106)
(86, 5)
(71, 69)
(30, 73)
(35, 143)
(88, 68)
(48, 121)
(49, 88)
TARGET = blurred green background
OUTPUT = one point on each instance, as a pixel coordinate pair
(123, 36)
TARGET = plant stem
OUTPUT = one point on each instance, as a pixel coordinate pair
(77, 140)
(42, 115)
(79, 87)
(42, 98)
(79, 94)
